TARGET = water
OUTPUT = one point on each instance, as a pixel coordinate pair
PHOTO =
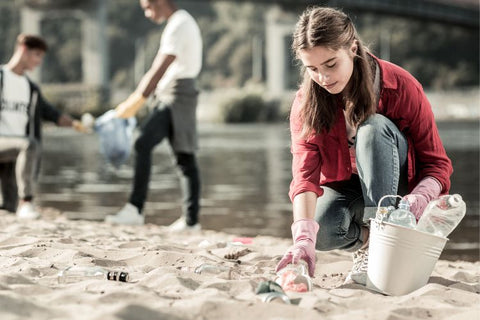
(245, 173)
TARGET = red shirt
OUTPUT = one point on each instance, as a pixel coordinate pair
(325, 157)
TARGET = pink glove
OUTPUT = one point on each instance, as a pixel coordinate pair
(425, 191)
(304, 234)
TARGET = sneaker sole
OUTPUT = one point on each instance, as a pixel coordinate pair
(360, 278)
(112, 221)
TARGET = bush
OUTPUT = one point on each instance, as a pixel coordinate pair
(249, 107)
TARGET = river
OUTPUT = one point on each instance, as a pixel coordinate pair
(245, 177)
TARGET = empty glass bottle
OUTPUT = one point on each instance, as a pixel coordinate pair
(79, 273)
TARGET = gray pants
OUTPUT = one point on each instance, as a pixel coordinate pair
(19, 163)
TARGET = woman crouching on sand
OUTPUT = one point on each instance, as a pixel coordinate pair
(361, 128)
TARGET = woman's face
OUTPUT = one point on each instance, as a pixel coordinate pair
(329, 68)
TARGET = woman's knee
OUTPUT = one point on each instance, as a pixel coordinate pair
(376, 132)
(373, 128)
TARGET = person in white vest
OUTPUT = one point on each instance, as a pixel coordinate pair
(172, 81)
(22, 109)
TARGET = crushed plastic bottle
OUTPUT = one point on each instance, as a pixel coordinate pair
(224, 272)
(442, 216)
(402, 216)
(294, 277)
(270, 291)
(274, 297)
(211, 268)
(79, 273)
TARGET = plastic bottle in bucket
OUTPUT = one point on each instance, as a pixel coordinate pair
(402, 216)
(401, 259)
(442, 216)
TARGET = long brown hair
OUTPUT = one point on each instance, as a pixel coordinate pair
(331, 28)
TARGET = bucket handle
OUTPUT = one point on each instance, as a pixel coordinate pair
(381, 216)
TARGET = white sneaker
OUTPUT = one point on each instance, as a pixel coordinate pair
(180, 225)
(128, 215)
(27, 212)
(359, 268)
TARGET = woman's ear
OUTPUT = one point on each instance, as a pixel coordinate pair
(354, 47)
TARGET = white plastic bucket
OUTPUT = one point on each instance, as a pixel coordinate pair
(400, 260)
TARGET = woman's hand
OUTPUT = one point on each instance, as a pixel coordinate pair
(304, 233)
(426, 190)
(418, 203)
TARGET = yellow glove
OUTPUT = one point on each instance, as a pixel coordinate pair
(78, 126)
(129, 107)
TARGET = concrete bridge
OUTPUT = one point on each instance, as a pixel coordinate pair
(464, 13)
(279, 20)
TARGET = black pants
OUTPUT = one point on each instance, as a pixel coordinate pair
(155, 128)
(9, 186)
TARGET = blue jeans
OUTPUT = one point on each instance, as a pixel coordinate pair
(155, 128)
(346, 206)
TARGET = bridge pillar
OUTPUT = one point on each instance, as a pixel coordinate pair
(279, 28)
(31, 23)
(94, 52)
(95, 63)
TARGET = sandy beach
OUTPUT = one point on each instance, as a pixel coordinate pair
(164, 285)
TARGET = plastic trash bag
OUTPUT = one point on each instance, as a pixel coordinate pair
(115, 136)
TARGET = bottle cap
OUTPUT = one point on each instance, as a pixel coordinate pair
(454, 200)
(118, 276)
(404, 204)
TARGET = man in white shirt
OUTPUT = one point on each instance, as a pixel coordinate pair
(22, 107)
(172, 79)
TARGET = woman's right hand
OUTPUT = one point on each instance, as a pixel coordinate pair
(304, 232)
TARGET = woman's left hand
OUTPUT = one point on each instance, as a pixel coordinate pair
(418, 203)
(426, 190)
